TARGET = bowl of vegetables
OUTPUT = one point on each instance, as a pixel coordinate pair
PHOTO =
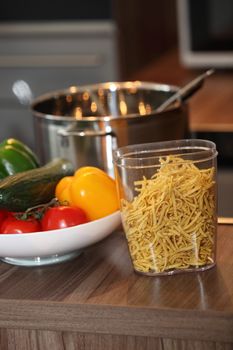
(39, 248)
(49, 214)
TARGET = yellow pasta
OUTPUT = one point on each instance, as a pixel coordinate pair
(171, 223)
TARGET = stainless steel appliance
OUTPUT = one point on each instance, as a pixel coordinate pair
(52, 47)
(205, 33)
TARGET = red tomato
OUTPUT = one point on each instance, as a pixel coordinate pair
(3, 215)
(12, 225)
(62, 216)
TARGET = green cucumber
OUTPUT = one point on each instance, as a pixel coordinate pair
(29, 188)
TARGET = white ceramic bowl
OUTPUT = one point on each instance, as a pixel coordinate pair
(50, 247)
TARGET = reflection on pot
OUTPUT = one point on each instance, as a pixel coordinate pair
(85, 124)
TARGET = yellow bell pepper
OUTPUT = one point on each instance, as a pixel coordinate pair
(90, 189)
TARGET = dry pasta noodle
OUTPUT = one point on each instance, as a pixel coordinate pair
(171, 223)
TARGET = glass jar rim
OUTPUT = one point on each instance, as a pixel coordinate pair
(143, 155)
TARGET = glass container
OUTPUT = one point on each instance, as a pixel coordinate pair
(168, 195)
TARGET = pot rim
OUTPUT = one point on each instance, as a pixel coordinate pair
(112, 86)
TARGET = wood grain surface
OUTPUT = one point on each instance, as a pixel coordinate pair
(13, 339)
(97, 299)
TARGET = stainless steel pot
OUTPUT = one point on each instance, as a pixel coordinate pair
(85, 124)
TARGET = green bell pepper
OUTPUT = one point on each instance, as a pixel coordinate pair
(16, 157)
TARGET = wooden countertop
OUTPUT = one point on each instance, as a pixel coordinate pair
(99, 293)
(211, 108)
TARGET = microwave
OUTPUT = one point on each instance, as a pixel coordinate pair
(205, 33)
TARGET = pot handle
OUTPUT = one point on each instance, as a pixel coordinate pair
(64, 132)
(23, 92)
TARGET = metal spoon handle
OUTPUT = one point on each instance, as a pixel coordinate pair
(186, 91)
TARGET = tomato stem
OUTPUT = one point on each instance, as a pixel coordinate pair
(38, 210)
